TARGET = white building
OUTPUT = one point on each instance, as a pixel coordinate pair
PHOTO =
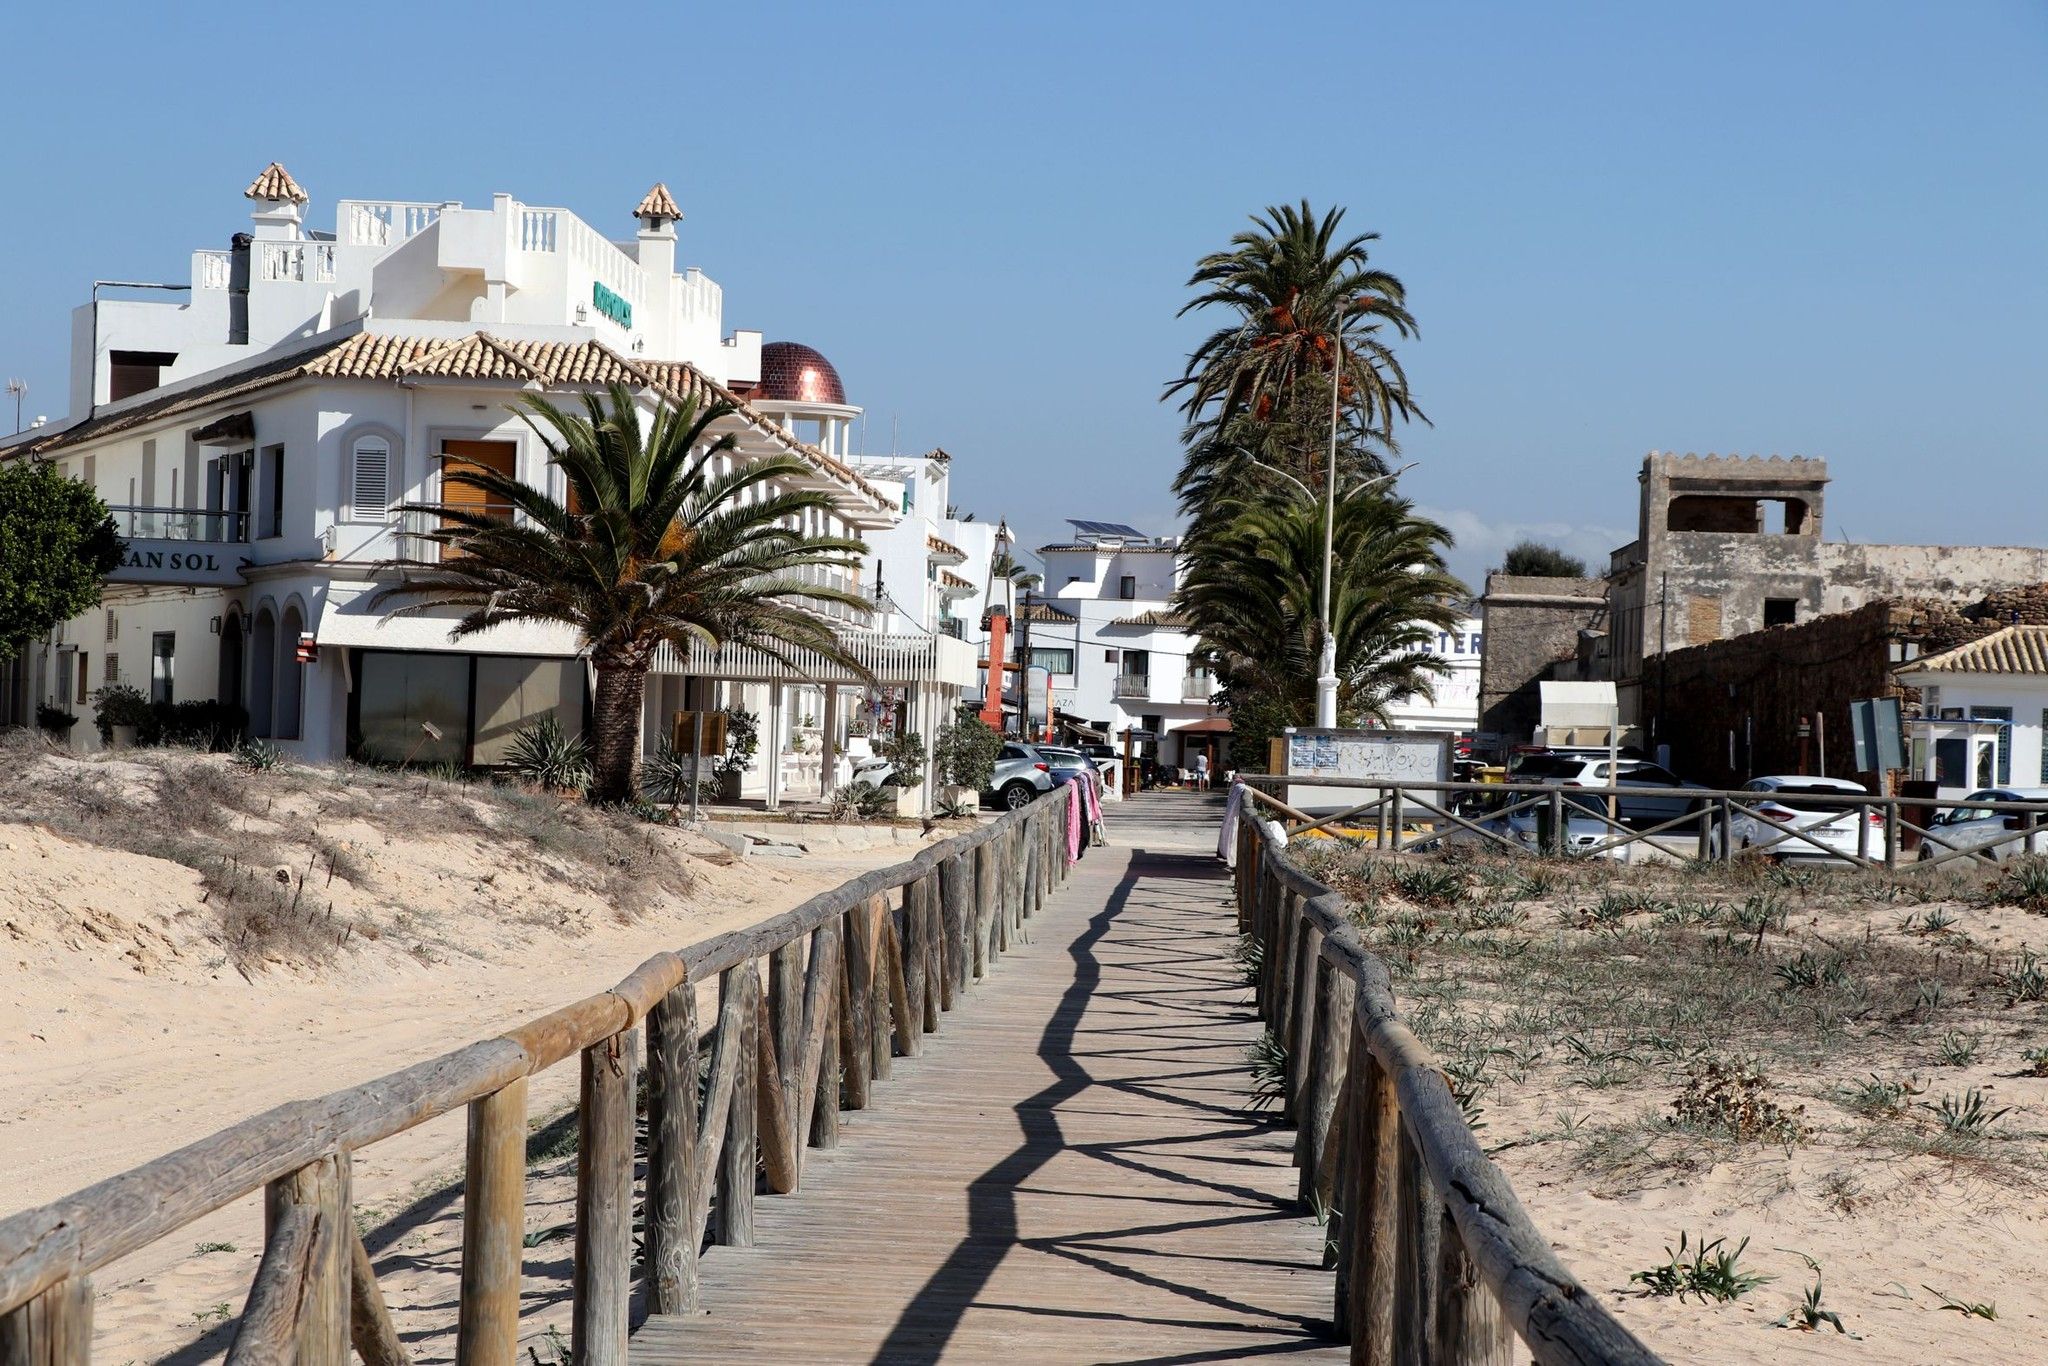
(1118, 656)
(1455, 705)
(256, 436)
(1983, 712)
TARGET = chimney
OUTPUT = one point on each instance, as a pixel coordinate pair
(278, 201)
(656, 253)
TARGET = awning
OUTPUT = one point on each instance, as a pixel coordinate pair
(358, 620)
(1208, 725)
(223, 431)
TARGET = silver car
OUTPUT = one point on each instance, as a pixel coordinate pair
(1021, 774)
(1973, 824)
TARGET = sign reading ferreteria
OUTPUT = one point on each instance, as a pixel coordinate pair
(611, 305)
(178, 562)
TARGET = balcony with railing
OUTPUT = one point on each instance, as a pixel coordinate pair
(1133, 688)
(1197, 685)
(382, 222)
(180, 524)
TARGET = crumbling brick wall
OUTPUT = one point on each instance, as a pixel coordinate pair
(1532, 633)
(1730, 710)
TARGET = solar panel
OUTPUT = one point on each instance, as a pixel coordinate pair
(1122, 529)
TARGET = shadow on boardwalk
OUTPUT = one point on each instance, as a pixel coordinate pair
(1069, 1174)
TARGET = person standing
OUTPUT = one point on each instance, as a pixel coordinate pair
(1202, 770)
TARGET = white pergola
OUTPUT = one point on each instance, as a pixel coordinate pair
(935, 670)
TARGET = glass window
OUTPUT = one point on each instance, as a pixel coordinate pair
(512, 693)
(412, 706)
(163, 667)
(1053, 661)
(273, 481)
(1127, 587)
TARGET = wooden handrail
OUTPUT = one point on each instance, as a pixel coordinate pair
(1436, 1258)
(858, 979)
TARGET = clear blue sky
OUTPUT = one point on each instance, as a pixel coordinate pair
(1814, 228)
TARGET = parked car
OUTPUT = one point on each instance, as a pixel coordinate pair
(1021, 774)
(871, 771)
(1569, 769)
(1583, 828)
(1972, 824)
(1066, 764)
(1796, 802)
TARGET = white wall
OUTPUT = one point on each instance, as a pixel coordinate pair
(2027, 697)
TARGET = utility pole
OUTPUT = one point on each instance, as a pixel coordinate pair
(17, 387)
(1024, 669)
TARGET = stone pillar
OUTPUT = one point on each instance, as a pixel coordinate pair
(771, 748)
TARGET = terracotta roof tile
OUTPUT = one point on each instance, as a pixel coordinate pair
(659, 203)
(2014, 650)
(1046, 612)
(275, 182)
(940, 546)
(1157, 618)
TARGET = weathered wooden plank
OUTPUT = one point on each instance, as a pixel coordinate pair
(671, 1263)
(738, 1011)
(1329, 1036)
(602, 1281)
(731, 1054)
(856, 1002)
(956, 894)
(274, 1317)
(904, 1018)
(772, 1123)
(786, 1010)
(322, 1311)
(370, 1330)
(820, 1018)
(1374, 1234)
(53, 1329)
(982, 930)
(916, 954)
(1415, 1257)
(1470, 1330)
(493, 1228)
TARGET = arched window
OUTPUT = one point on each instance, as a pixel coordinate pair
(290, 674)
(369, 479)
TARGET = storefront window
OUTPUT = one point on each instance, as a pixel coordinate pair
(412, 707)
(512, 693)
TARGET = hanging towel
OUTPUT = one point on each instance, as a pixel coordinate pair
(1226, 838)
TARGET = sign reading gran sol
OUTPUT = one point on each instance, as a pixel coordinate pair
(179, 562)
(611, 305)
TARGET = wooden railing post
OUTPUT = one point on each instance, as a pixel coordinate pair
(739, 994)
(671, 1150)
(370, 1329)
(1415, 1254)
(1470, 1328)
(857, 1003)
(772, 1123)
(984, 912)
(53, 1329)
(602, 1283)
(956, 890)
(493, 1228)
(906, 1012)
(814, 1093)
(1372, 1229)
(1330, 1034)
(322, 1189)
(1300, 1021)
(916, 958)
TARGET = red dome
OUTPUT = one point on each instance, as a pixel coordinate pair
(794, 372)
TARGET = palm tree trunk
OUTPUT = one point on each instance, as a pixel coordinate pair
(615, 748)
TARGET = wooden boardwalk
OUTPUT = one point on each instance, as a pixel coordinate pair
(1067, 1174)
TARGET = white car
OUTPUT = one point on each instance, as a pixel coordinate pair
(1971, 824)
(1812, 806)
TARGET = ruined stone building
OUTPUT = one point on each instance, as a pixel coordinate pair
(1537, 629)
(1730, 545)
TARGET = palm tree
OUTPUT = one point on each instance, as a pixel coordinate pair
(1252, 593)
(1296, 291)
(1005, 567)
(650, 546)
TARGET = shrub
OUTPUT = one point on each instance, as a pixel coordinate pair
(966, 753)
(57, 546)
(1730, 1098)
(120, 704)
(53, 720)
(2022, 883)
(860, 801)
(906, 754)
(208, 725)
(1966, 1115)
(668, 775)
(742, 742)
(258, 756)
(548, 756)
(1707, 1269)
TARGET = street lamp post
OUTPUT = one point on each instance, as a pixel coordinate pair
(1326, 681)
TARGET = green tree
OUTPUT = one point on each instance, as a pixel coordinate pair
(1005, 566)
(57, 546)
(1290, 289)
(1536, 560)
(649, 546)
(1252, 591)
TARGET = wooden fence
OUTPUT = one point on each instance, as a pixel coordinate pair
(1709, 829)
(812, 1006)
(1436, 1259)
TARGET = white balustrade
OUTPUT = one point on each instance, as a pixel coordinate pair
(537, 229)
(211, 269)
(380, 223)
(295, 261)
